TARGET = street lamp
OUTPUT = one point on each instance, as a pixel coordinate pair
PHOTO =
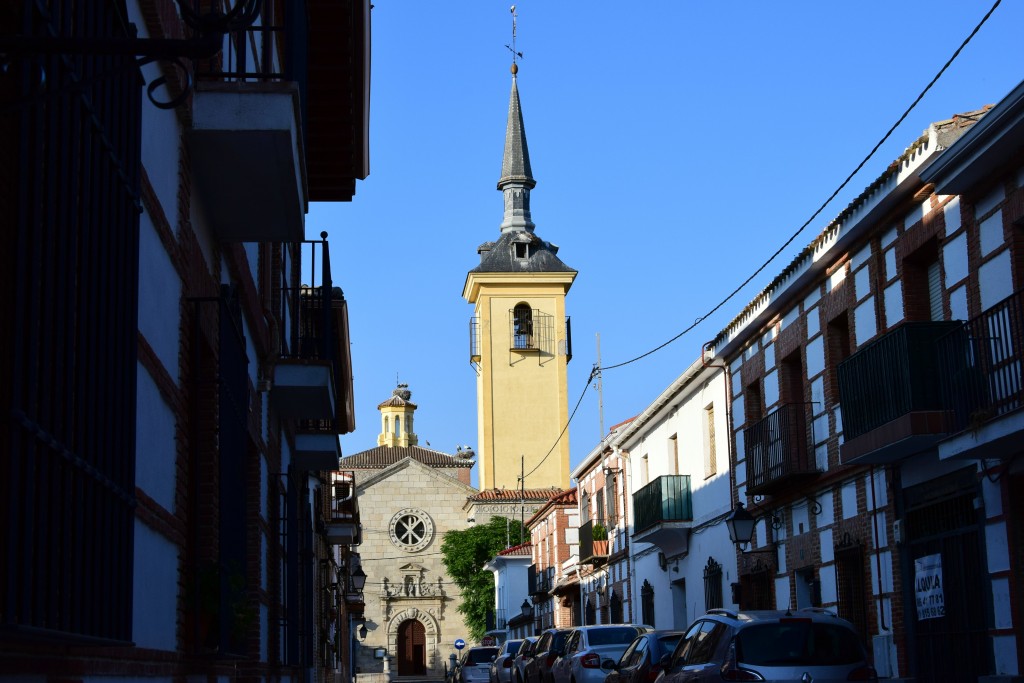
(527, 609)
(358, 579)
(741, 529)
(741, 525)
(362, 631)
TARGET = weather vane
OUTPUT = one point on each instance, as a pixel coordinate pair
(512, 47)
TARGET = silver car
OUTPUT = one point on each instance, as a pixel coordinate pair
(501, 667)
(808, 645)
(582, 658)
(523, 656)
(475, 665)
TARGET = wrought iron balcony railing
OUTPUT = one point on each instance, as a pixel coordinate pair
(312, 322)
(892, 376)
(593, 543)
(981, 365)
(780, 449)
(666, 499)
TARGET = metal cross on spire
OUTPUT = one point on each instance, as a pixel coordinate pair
(512, 47)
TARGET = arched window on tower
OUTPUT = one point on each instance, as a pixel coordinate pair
(387, 425)
(398, 425)
(408, 424)
(522, 327)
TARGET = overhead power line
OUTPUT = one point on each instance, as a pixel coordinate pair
(828, 201)
(597, 370)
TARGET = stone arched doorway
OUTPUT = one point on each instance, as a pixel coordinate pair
(411, 648)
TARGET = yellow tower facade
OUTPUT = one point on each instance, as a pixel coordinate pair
(396, 428)
(520, 337)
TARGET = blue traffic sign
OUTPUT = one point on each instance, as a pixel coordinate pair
(459, 643)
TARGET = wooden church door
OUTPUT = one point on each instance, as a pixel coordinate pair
(412, 649)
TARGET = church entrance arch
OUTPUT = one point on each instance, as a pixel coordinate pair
(412, 648)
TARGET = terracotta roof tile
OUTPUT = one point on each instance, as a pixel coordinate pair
(516, 550)
(515, 495)
(385, 456)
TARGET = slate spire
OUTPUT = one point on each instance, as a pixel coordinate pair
(516, 176)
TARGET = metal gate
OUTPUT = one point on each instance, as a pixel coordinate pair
(944, 525)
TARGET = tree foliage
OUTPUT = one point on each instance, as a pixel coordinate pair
(464, 553)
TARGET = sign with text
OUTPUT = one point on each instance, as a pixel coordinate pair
(928, 587)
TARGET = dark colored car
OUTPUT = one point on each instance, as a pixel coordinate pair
(547, 649)
(807, 645)
(522, 658)
(641, 662)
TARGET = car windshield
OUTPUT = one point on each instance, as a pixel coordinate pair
(668, 643)
(623, 635)
(798, 642)
(480, 655)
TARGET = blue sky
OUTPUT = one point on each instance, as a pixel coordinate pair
(676, 145)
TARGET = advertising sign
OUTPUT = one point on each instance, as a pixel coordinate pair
(928, 587)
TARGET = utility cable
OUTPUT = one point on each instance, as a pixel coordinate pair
(821, 208)
(593, 373)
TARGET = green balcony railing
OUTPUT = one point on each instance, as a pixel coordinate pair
(666, 499)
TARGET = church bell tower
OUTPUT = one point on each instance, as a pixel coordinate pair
(520, 340)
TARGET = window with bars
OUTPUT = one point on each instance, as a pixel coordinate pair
(712, 584)
(69, 189)
(522, 327)
(850, 588)
(609, 497)
(647, 603)
(616, 609)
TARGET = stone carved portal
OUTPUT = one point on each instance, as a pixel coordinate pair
(413, 636)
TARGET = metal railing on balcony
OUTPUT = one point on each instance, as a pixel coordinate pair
(981, 363)
(666, 499)
(261, 45)
(780, 447)
(474, 340)
(896, 374)
(309, 320)
(343, 496)
(593, 542)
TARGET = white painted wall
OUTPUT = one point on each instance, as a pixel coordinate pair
(155, 596)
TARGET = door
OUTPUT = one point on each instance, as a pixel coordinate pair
(412, 649)
(948, 580)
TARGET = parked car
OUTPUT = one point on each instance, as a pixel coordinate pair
(501, 667)
(768, 646)
(587, 648)
(523, 656)
(475, 665)
(641, 662)
(548, 647)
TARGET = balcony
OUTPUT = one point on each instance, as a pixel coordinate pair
(663, 513)
(247, 156)
(312, 382)
(891, 395)
(343, 524)
(981, 380)
(780, 450)
(316, 451)
(540, 581)
(593, 543)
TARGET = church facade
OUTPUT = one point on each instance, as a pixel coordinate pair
(408, 498)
